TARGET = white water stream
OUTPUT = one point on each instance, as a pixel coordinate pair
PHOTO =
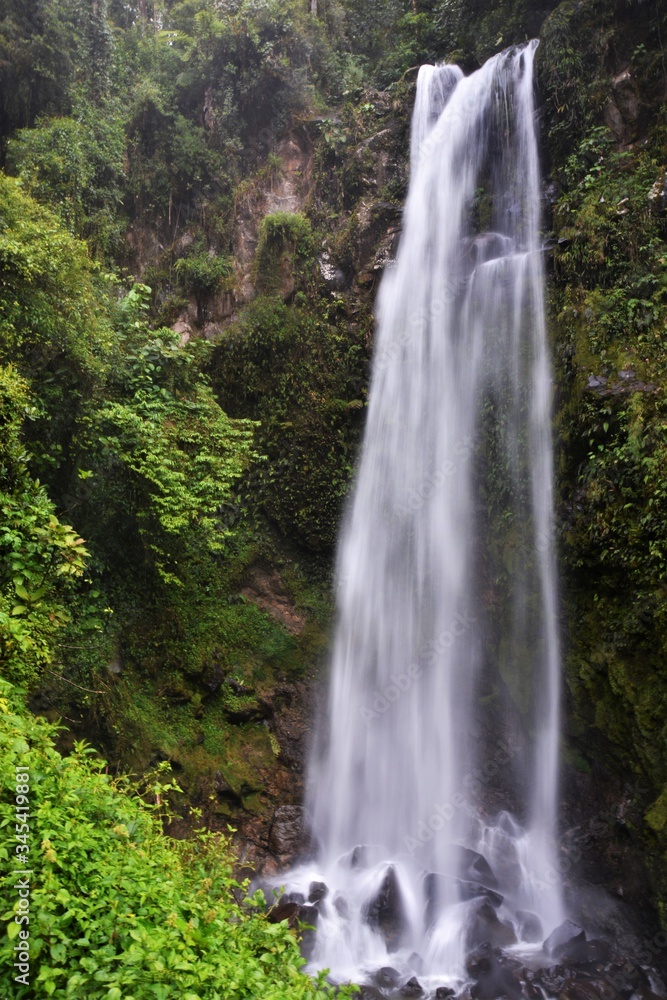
(442, 724)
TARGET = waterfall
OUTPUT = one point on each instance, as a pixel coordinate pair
(434, 779)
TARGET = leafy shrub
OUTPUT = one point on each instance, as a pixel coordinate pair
(39, 556)
(285, 240)
(302, 373)
(164, 456)
(201, 274)
(118, 910)
(76, 166)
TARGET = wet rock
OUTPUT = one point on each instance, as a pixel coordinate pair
(283, 911)
(596, 382)
(223, 787)
(412, 988)
(480, 961)
(491, 979)
(578, 989)
(385, 913)
(475, 868)
(367, 992)
(308, 915)
(530, 990)
(625, 384)
(354, 858)
(213, 678)
(473, 890)
(487, 927)
(443, 992)
(529, 926)
(567, 943)
(293, 897)
(552, 979)
(317, 891)
(286, 836)
(598, 950)
(269, 867)
(387, 977)
(340, 906)
(332, 275)
(438, 887)
(623, 108)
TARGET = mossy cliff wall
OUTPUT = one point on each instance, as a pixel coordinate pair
(602, 79)
(604, 84)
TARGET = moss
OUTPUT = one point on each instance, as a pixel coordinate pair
(300, 371)
(607, 315)
(656, 816)
(285, 246)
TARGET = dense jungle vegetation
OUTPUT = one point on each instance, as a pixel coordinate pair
(164, 435)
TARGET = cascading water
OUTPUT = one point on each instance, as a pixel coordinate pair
(433, 787)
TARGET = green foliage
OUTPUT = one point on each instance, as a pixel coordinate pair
(608, 311)
(46, 288)
(302, 375)
(53, 325)
(38, 46)
(116, 908)
(160, 439)
(40, 557)
(201, 274)
(76, 166)
(284, 243)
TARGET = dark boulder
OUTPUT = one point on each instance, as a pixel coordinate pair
(438, 888)
(355, 858)
(283, 911)
(317, 891)
(567, 943)
(529, 927)
(598, 950)
(294, 897)
(552, 980)
(387, 978)
(486, 926)
(443, 992)
(412, 988)
(473, 890)
(473, 867)
(385, 912)
(594, 989)
(308, 915)
(491, 980)
(367, 992)
(480, 961)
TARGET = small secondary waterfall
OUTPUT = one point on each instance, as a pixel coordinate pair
(433, 787)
